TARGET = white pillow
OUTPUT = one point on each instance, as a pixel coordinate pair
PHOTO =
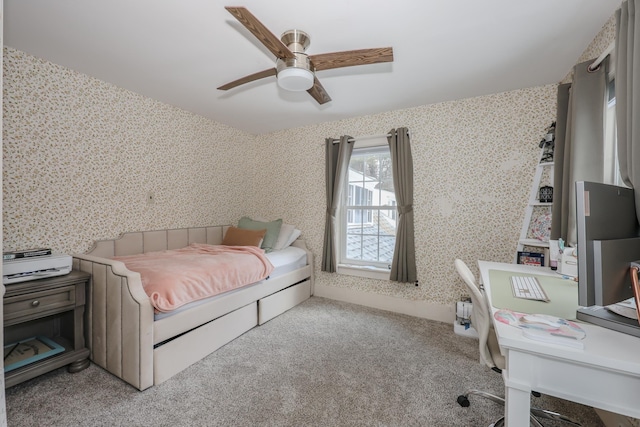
(294, 236)
(285, 233)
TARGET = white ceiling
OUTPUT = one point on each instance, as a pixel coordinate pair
(180, 51)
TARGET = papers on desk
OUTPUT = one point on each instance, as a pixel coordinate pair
(542, 327)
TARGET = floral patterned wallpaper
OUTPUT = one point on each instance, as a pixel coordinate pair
(474, 162)
(81, 156)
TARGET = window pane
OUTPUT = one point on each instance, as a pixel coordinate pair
(387, 244)
(370, 214)
(371, 236)
(387, 222)
(354, 223)
(366, 246)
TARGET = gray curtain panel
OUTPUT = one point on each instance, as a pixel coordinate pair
(628, 94)
(578, 153)
(336, 164)
(403, 267)
(560, 203)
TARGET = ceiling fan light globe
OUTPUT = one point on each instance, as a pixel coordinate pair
(295, 79)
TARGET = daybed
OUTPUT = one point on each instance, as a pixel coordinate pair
(127, 338)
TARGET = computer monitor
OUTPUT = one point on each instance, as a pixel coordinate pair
(611, 261)
(608, 240)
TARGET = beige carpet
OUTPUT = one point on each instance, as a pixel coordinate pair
(323, 363)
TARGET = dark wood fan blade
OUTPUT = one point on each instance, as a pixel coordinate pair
(318, 93)
(349, 58)
(246, 79)
(262, 33)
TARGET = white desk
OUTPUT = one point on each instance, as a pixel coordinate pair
(605, 374)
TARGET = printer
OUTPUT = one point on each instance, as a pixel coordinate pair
(38, 267)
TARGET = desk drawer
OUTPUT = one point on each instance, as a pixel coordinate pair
(36, 303)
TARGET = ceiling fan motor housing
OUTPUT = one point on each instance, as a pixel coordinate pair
(295, 73)
(297, 41)
(300, 61)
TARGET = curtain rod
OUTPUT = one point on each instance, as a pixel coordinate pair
(600, 58)
(360, 138)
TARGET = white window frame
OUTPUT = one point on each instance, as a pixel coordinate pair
(357, 269)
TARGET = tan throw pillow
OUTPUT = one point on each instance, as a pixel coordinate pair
(243, 237)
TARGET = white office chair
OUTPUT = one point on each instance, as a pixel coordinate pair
(490, 351)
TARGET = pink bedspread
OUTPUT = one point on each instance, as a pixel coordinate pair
(177, 277)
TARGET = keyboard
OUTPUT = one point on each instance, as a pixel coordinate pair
(528, 288)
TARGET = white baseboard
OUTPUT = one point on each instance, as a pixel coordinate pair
(427, 310)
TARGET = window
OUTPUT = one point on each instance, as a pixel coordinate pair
(611, 166)
(368, 209)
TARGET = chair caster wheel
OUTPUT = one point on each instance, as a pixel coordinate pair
(463, 401)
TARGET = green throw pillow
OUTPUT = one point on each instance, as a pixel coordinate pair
(272, 227)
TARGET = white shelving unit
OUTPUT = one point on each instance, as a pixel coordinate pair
(543, 170)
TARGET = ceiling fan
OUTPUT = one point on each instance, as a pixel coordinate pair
(295, 70)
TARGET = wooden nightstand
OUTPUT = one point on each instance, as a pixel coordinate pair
(52, 308)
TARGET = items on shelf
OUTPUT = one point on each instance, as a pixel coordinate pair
(546, 194)
(531, 258)
(30, 350)
(548, 144)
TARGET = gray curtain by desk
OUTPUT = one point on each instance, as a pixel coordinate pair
(403, 267)
(628, 94)
(336, 164)
(578, 152)
(559, 224)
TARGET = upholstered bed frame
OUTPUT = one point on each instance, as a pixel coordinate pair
(121, 331)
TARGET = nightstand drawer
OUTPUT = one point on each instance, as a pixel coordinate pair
(35, 303)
